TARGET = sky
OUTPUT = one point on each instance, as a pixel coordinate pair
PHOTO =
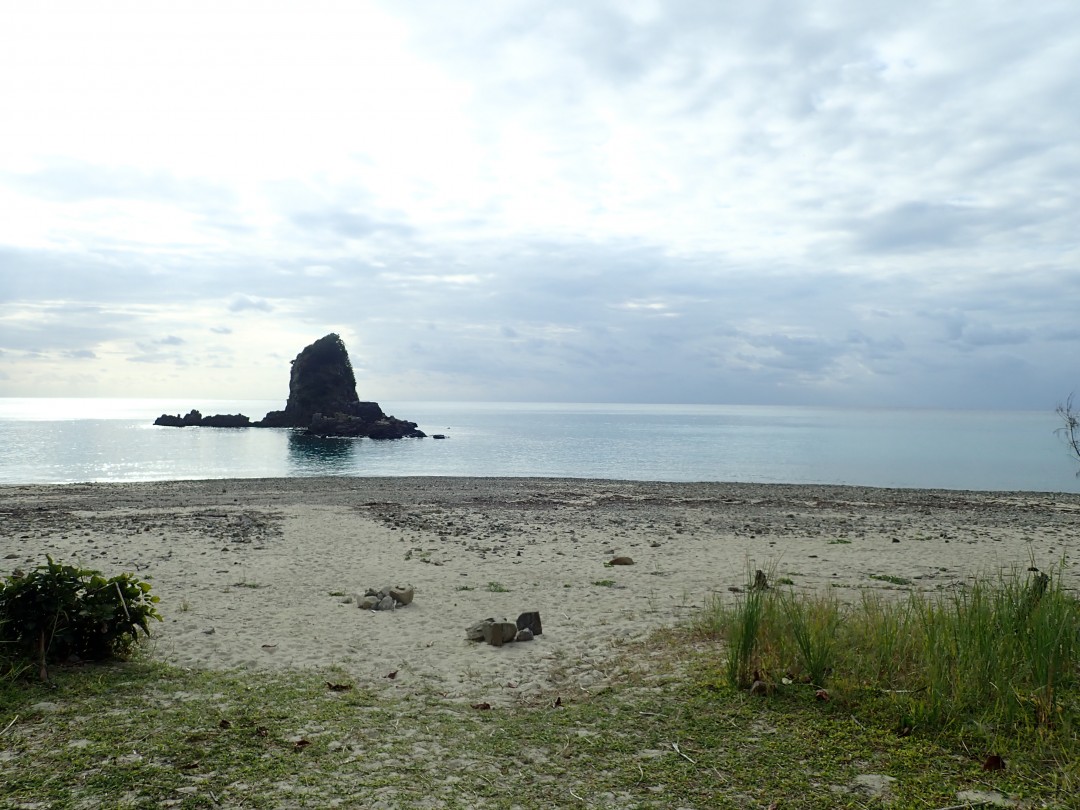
(843, 202)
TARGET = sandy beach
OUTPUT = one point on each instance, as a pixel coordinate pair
(261, 573)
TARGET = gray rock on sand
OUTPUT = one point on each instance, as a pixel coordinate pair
(498, 633)
(495, 633)
(475, 632)
(530, 620)
(388, 597)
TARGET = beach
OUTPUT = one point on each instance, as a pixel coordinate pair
(263, 573)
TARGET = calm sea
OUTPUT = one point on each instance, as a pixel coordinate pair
(78, 440)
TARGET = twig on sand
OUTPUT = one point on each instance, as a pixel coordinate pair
(9, 725)
(575, 795)
(123, 603)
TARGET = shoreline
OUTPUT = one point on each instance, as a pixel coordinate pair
(254, 573)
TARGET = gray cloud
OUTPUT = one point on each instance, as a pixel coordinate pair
(777, 202)
(348, 225)
(243, 303)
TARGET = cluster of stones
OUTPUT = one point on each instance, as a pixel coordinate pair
(390, 597)
(496, 633)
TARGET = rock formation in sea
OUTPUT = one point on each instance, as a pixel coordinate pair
(322, 400)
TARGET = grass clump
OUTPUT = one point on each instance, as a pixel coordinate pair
(999, 654)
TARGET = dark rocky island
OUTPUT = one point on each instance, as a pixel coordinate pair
(322, 401)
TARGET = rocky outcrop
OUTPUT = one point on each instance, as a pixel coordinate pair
(195, 419)
(321, 382)
(322, 400)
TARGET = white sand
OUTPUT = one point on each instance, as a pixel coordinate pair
(251, 572)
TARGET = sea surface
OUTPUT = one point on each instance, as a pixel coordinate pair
(52, 441)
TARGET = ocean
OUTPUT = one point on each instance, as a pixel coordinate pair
(55, 441)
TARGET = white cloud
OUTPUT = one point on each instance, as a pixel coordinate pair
(837, 201)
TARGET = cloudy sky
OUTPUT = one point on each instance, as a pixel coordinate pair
(839, 202)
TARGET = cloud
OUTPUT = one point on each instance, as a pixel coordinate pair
(614, 201)
(348, 225)
(921, 226)
(243, 303)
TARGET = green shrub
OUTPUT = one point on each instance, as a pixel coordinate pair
(57, 612)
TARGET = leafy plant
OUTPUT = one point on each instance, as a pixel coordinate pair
(59, 611)
(497, 587)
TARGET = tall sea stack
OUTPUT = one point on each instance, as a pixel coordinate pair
(321, 382)
(322, 399)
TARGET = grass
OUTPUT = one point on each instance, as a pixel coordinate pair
(1000, 655)
(671, 728)
(497, 587)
